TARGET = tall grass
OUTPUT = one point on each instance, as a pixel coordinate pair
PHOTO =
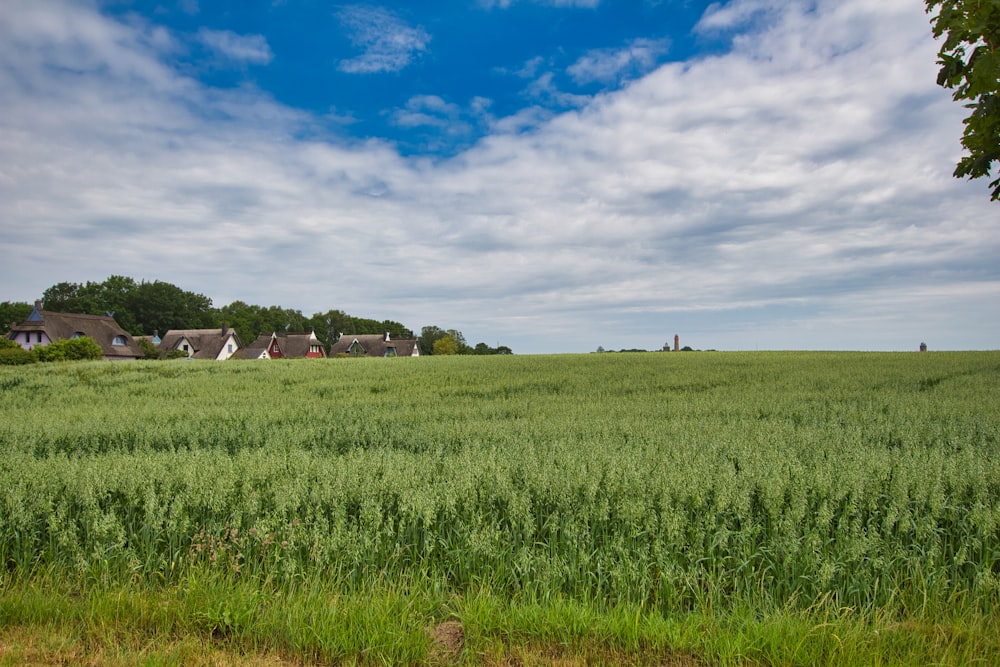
(668, 483)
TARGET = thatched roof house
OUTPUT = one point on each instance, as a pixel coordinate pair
(375, 345)
(44, 326)
(218, 344)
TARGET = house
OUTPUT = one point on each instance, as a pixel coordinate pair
(284, 346)
(375, 345)
(217, 344)
(265, 347)
(300, 345)
(43, 327)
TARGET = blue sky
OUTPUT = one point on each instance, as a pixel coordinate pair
(431, 77)
(552, 175)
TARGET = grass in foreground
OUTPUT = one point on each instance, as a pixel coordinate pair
(208, 620)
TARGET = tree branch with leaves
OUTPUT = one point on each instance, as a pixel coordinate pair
(970, 66)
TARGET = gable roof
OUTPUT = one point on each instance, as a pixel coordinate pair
(257, 349)
(377, 345)
(291, 345)
(205, 343)
(298, 344)
(63, 326)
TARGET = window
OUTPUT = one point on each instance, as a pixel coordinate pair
(38, 337)
(230, 348)
(118, 341)
(185, 347)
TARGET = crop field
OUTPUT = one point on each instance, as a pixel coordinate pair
(617, 506)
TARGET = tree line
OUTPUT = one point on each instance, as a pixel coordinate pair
(143, 308)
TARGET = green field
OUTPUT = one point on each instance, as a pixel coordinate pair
(640, 508)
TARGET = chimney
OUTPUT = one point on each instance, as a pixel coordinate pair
(386, 336)
(225, 328)
(38, 304)
(677, 343)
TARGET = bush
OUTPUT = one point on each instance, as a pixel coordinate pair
(15, 356)
(148, 349)
(74, 349)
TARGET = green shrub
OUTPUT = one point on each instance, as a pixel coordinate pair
(148, 349)
(74, 349)
(15, 356)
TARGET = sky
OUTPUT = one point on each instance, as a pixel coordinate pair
(550, 175)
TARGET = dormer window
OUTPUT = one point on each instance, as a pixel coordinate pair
(78, 334)
(118, 341)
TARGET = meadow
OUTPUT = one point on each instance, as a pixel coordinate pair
(631, 508)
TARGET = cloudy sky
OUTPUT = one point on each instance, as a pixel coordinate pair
(551, 175)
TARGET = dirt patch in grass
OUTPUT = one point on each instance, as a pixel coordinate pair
(447, 642)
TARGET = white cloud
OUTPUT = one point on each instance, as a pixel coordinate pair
(544, 89)
(531, 68)
(243, 48)
(611, 65)
(504, 4)
(794, 192)
(389, 43)
(734, 14)
(428, 110)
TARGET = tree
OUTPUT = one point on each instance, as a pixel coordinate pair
(114, 296)
(483, 349)
(970, 64)
(463, 347)
(139, 308)
(72, 298)
(445, 345)
(428, 336)
(12, 312)
(160, 306)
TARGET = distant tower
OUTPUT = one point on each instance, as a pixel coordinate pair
(677, 343)
(923, 347)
